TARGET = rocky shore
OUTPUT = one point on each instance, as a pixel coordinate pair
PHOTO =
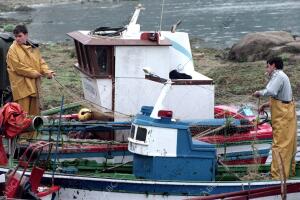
(6, 24)
(23, 6)
(264, 45)
(9, 5)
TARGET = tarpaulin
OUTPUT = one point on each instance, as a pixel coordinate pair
(13, 120)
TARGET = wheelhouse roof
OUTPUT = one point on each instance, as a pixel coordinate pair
(87, 39)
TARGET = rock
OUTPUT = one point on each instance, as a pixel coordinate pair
(294, 47)
(8, 28)
(8, 20)
(295, 58)
(255, 46)
(24, 9)
(198, 55)
(4, 8)
(275, 51)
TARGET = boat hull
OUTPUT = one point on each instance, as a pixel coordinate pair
(81, 187)
(244, 153)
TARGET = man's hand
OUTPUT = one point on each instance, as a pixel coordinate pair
(256, 94)
(50, 74)
(263, 106)
(36, 74)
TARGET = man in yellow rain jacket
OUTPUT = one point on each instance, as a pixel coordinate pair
(25, 68)
(284, 122)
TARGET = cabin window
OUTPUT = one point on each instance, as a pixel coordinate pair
(95, 61)
(78, 53)
(83, 57)
(141, 134)
(132, 131)
(104, 59)
(89, 67)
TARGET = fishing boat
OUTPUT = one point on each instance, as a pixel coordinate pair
(240, 146)
(273, 192)
(167, 164)
(123, 69)
(112, 64)
(20, 183)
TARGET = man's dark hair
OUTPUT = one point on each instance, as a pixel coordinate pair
(277, 61)
(20, 29)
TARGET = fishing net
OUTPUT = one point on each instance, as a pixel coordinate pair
(242, 138)
(236, 133)
(231, 135)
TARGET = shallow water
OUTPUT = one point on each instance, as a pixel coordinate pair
(216, 23)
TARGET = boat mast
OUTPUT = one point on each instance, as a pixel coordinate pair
(159, 103)
(136, 15)
(133, 28)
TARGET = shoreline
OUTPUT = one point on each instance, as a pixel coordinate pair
(6, 24)
(11, 5)
(229, 88)
(31, 3)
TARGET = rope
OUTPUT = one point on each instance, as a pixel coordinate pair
(161, 14)
(282, 175)
(96, 106)
(255, 150)
(227, 169)
(253, 170)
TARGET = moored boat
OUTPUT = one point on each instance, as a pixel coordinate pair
(167, 161)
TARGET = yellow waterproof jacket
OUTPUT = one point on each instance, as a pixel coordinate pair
(22, 62)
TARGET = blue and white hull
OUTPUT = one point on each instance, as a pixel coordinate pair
(76, 187)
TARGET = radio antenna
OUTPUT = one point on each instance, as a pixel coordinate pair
(162, 12)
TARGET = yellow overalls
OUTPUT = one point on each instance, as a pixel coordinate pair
(22, 62)
(284, 124)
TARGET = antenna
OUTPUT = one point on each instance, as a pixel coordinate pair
(162, 12)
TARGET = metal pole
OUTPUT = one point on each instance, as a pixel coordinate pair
(58, 137)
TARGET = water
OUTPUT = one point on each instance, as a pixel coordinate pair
(216, 23)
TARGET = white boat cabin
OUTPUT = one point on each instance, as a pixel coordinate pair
(112, 68)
